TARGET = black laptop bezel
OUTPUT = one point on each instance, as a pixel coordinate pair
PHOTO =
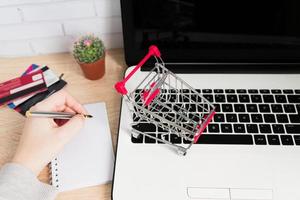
(258, 60)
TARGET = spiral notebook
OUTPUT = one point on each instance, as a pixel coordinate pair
(88, 159)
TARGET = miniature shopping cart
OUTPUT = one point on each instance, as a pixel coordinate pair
(168, 102)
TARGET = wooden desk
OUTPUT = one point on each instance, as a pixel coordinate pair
(11, 123)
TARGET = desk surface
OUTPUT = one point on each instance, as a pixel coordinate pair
(85, 91)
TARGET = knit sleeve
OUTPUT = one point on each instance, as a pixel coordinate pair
(19, 183)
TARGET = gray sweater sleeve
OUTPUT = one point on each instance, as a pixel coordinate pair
(19, 183)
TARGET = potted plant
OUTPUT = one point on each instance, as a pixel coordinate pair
(89, 52)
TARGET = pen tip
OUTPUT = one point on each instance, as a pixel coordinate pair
(88, 116)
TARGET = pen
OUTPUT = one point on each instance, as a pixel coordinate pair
(55, 115)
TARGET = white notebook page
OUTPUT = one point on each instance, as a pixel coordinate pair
(88, 159)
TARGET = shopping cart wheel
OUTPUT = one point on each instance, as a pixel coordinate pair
(135, 134)
(181, 151)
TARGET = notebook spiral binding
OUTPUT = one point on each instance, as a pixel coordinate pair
(54, 181)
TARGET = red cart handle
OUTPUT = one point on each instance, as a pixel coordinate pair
(120, 86)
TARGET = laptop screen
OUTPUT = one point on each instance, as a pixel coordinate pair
(195, 31)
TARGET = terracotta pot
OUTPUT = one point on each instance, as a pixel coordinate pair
(95, 70)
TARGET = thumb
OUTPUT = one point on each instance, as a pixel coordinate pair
(72, 127)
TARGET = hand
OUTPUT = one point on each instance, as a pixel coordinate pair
(42, 138)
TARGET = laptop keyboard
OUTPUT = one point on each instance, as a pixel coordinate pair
(243, 117)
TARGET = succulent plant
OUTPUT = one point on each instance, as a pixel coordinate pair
(88, 49)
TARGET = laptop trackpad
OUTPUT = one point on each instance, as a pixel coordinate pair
(251, 194)
(208, 193)
(229, 193)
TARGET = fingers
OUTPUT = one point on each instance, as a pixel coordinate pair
(71, 127)
(59, 102)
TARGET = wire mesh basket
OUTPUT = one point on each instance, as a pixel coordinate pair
(161, 99)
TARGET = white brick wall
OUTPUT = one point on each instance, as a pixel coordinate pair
(32, 27)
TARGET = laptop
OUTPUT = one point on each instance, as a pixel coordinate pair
(242, 56)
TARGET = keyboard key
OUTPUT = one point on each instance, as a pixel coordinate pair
(239, 128)
(256, 99)
(218, 91)
(178, 107)
(220, 98)
(292, 128)
(297, 139)
(277, 128)
(219, 118)
(213, 128)
(286, 140)
(185, 91)
(181, 117)
(226, 128)
(244, 118)
(225, 139)
(184, 97)
(232, 98)
(280, 99)
(231, 118)
(288, 92)
(173, 91)
(217, 107)
(294, 98)
(276, 91)
(191, 107)
(273, 140)
(264, 108)
(189, 127)
(297, 91)
(167, 108)
(241, 91)
(294, 118)
(175, 139)
(298, 108)
(252, 108)
(172, 98)
(282, 118)
(265, 128)
(268, 99)
(260, 139)
(269, 118)
(230, 91)
(239, 108)
(163, 98)
(252, 128)
(145, 127)
(137, 140)
(136, 118)
(170, 116)
(163, 129)
(194, 117)
(227, 108)
(209, 97)
(149, 140)
(165, 138)
(252, 91)
(264, 91)
(289, 108)
(196, 98)
(276, 108)
(206, 91)
(244, 98)
(256, 118)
